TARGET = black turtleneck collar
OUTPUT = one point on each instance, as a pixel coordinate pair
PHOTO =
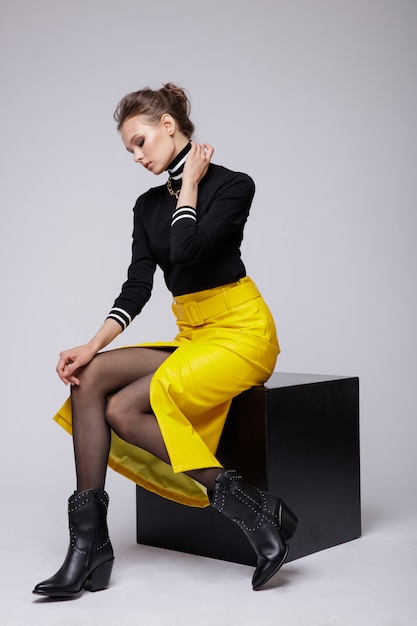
(176, 166)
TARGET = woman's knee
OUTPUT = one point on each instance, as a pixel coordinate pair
(124, 413)
(114, 414)
(90, 377)
(90, 374)
(119, 415)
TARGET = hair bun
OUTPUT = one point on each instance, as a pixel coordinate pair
(177, 96)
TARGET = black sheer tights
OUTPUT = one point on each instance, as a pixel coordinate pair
(125, 375)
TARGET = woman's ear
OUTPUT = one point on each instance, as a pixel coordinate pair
(168, 123)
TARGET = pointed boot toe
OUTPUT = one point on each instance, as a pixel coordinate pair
(270, 558)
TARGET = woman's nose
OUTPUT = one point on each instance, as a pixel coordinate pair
(137, 157)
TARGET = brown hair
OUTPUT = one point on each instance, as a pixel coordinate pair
(169, 99)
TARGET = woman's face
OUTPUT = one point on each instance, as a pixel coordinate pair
(153, 145)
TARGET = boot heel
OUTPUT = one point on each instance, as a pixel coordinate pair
(288, 521)
(100, 577)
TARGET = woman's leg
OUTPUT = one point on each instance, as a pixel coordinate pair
(264, 518)
(89, 560)
(130, 415)
(106, 374)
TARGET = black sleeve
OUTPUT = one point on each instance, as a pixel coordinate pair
(194, 235)
(137, 289)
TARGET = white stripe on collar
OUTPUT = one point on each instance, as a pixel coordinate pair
(177, 167)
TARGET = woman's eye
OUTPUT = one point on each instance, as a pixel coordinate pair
(141, 142)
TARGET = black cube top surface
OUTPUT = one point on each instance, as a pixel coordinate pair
(289, 379)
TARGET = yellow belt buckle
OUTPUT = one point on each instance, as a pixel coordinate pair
(193, 313)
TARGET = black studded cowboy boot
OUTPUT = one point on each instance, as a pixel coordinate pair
(266, 521)
(89, 559)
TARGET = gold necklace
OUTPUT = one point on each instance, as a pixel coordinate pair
(172, 192)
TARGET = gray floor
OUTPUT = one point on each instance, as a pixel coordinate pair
(370, 581)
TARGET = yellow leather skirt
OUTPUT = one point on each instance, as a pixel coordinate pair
(226, 344)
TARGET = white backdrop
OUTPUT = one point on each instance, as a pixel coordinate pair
(315, 99)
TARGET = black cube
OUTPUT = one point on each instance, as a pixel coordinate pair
(297, 437)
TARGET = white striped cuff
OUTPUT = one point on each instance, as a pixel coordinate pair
(120, 316)
(184, 212)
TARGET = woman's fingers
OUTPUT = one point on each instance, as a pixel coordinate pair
(204, 150)
(198, 161)
(208, 149)
(70, 361)
(69, 371)
(65, 368)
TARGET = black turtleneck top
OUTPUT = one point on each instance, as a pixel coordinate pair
(196, 248)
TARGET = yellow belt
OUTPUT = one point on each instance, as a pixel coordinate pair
(196, 313)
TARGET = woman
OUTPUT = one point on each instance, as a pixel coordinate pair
(155, 412)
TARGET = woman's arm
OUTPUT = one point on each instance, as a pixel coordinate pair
(198, 229)
(71, 360)
(135, 292)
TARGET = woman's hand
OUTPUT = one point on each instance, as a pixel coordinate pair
(71, 360)
(196, 165)
(195, 168)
